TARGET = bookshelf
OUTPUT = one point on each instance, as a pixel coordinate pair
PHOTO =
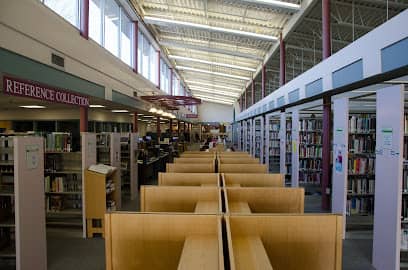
(248, 136)
(310, 151)
(361, 165)
(63, 188)
(125, 163)
(101, 195)
(273, 146)
(58, 142)
(22, 216)
(404, 205)
(108, 148)
(258, 147)
(288, 150)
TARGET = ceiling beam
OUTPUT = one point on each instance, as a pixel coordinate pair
(202, 61)
(208, 49)
(237, 77)
(343, 24)
(166, 22)
(281, 5)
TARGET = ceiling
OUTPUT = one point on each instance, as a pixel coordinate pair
(216, 45)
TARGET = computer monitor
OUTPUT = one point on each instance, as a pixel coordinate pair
(148, 138)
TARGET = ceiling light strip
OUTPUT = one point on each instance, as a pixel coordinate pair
(215, 98)
(217, 101)
(155, 20)
(276, 4)
(190, 83)
(212, 91)
(214, 73)
(211, 63)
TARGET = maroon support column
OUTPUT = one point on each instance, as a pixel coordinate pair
(158, 67)
(158, 129)
(263, 81)
(135, 127)
(326, 35)
(253, 92)
(83, 119)
(282, 53)
(178, 127)
(326, 152)
(84, 19)
(326, 146)
(135, 45)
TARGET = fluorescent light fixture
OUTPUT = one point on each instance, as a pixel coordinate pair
(159, 111)
(214, 98)
(217, 101)
(140, 114)
(213, 73)
(215, 86)
(119, 111)
(211, 63)
(276, 4)
(153, 110)
(32, 107)
(162, 21)
(96, 106)
(148, 116)
(213, 91)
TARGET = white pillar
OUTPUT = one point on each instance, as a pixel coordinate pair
(295, 148)
(340, 157)
(388, 178)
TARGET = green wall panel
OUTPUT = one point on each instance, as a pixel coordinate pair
(25, 68)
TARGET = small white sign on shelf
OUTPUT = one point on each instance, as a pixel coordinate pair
(32, 156)
(387, 137)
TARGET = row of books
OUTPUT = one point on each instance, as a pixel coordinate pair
(274, 135)
(362, 144)
(7, 156)
(103, 139)
(288, 158)
(310, 138)
(310, 151)
(405, 178)
(361, 165)
(310, 177)
(404, 208)
(6, 142)
(274, 126)
(58, 142)
(404, 239)
(405, 148)
(274, 151)
(288, 124)
(69, 183)
(310, 164)
(58, 203)
(310, 124)
(361, 186)
(362, 123)
(274, 144)
(360, 206)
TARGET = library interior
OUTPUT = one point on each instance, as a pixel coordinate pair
(213, 134)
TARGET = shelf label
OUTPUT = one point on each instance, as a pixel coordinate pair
(32, 156)
(387, 137)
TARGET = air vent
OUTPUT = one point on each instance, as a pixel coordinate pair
(57, 60)
(134, 94)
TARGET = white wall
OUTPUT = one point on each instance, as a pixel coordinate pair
(29, 28)
(215, 112)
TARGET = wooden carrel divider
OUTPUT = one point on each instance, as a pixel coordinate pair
(194, 160)
(289, 242)
(163, 241)
(242, 168)
(190, 168)
(268, 200)
(186, 199)
(253, 180)
(238, 160)
(189, 179)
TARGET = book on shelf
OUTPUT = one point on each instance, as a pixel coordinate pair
(58, 142)
(307, 151)
(101, 168)
(362, 123)
(360, 206)
(361, 165)
(361, 186)
(362, 144)
(69, 183)
(311, 125)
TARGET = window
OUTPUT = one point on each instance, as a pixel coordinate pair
(139, 52)
(153, 76)
(68, 9)
(111, 16)
(95, 20)
(126, 31)
(145, 58)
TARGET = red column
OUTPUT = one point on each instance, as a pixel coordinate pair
(84, 19)
(171, 82)
(282, 53)
(158, 129)
(83, 119)
(158, 67)
(326, 146)
(253, 92)
(326, 35)
(135, 127)
(263, 81)
(135, 45)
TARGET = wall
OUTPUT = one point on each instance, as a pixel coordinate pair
(43, 32)
(215, 112)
